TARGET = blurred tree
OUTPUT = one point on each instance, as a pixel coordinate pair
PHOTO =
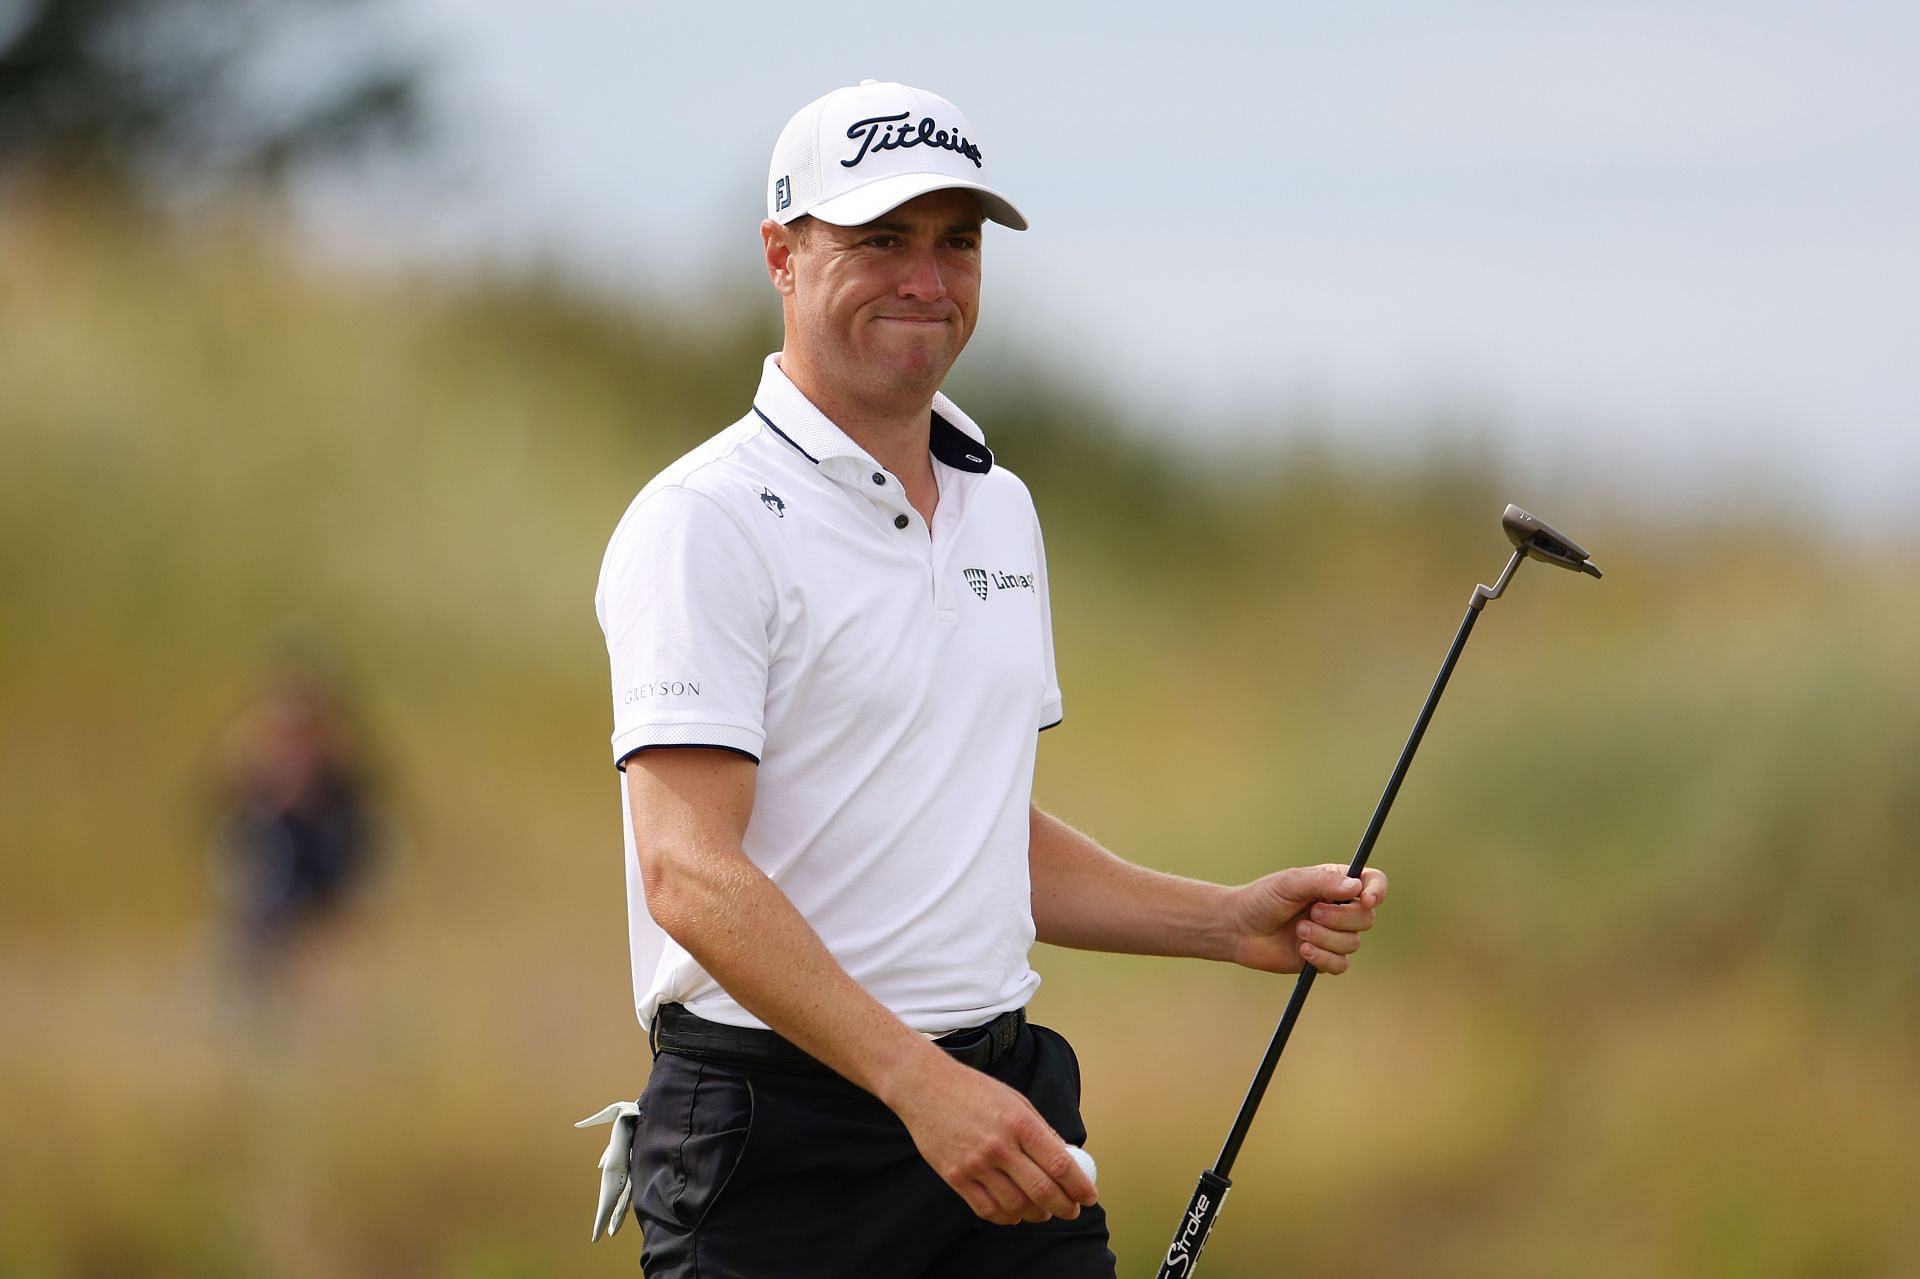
(158, 92)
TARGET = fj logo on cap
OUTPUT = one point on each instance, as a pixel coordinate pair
(888, 133)
(782, 193)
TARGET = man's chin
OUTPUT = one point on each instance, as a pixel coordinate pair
(918, 363)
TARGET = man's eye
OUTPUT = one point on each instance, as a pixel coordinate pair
(882, 241)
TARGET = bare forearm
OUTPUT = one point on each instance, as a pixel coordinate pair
(690, 810)
(1089, 899)
(745, 932)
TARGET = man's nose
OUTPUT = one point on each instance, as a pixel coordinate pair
(920, 277)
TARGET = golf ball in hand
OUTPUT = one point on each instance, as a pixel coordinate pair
(1085, 1161)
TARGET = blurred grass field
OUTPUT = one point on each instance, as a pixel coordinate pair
(1644, 1001)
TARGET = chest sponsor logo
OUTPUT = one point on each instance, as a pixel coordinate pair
(985, 582)
(660, 688)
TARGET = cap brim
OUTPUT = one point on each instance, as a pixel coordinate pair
(865, 203)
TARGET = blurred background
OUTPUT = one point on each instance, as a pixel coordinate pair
(336, 334)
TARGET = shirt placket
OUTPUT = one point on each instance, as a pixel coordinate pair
(887, 497)
(948, 517)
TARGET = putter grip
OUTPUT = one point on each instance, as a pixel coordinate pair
(1183, 1254)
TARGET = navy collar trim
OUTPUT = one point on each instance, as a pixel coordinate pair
(783, 435)
(947, 442)
(957, 449)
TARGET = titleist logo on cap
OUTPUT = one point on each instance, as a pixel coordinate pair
(890, 133)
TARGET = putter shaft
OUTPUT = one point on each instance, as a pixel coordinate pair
(1196, 1224)
(1230, 1151)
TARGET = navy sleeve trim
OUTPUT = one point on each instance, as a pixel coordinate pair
(1057, 723)
(621, 763)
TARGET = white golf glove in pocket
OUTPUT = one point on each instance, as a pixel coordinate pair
(616, 1189)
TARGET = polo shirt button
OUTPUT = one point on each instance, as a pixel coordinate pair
(878, 478)
(900, 521)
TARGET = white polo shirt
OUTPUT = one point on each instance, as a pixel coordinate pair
(773, 593)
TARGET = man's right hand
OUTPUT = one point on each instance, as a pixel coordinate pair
(690, 809)
(989, 1143)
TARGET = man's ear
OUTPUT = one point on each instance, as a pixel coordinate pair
(779, 243)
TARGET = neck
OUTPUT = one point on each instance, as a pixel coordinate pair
(894, 431)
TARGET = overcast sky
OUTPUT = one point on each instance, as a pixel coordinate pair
(1674, 244)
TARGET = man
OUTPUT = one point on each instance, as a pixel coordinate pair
(301, 831)
(831, 655)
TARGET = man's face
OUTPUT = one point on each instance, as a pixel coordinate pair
(878, 313)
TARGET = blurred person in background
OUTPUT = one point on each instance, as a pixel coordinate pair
(297, 837)
(832, 655)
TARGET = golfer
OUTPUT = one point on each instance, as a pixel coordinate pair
(832, 656)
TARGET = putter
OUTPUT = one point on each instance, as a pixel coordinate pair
(1533, 539)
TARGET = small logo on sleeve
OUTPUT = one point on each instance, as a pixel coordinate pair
(771, 500)
(660, 688)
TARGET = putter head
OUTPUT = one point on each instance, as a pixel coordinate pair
(1542, 541)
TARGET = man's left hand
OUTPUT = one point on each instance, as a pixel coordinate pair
(1310, 915)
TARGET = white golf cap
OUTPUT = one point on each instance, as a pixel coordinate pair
(852, 155)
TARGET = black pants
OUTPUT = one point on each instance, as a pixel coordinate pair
(757, 1172)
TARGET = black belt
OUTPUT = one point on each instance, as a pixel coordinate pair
(675, 1030)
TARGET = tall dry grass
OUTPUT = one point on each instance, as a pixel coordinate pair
(1643, 1002)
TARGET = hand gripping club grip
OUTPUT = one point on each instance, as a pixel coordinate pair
(1195, 1225)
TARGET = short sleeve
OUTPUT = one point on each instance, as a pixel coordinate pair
(1051, 707)
(687, 607)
